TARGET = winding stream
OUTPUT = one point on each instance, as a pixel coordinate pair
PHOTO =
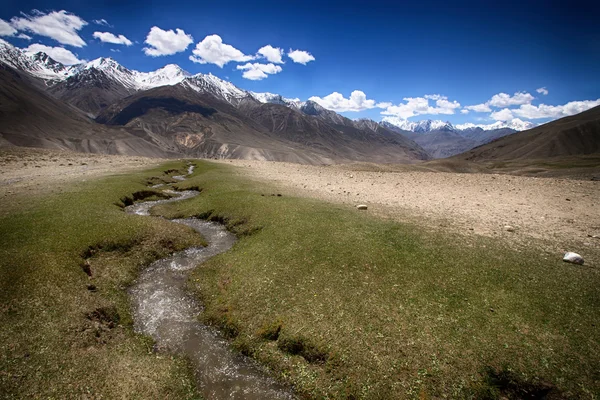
(163, 310)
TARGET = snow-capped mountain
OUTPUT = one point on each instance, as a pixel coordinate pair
(515, 124)
(426, 126)
(107, 75)
(208, 83)
(423, 126)
(39, 64)
(273, 98)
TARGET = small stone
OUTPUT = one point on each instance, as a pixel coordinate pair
(509, 228)
(92, 288)
(573, 258)
(361, 207)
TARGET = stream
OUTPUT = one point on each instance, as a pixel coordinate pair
(164, 310)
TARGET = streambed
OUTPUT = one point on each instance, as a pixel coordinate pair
(164, 310)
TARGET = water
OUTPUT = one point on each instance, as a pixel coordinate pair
(163, 310)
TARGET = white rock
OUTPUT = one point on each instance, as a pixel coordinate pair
(509, 228)
(361, 207)
(573, 258)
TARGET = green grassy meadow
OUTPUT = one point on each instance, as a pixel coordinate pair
(338, 303)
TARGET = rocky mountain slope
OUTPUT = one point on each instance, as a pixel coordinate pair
(31, 118)
(442, 139)
(183, 119)
(570, 136)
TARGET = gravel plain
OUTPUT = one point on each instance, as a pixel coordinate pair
(558, 214)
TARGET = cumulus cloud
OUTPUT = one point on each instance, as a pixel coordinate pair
(384, 104)
(420, 106)
(542, 90)
(501, 100)
(212, 50)
(463, 111)
(23, 36)
(337, 102)
(547, 111)
(502, 115)
(59, 54)
(166, 43)
(61, 26)
(479, 108)
(6, 29)
(257, 71)
(108, 37)
(272, 54)
(300, 56)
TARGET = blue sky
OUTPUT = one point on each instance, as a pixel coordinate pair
(407, 60)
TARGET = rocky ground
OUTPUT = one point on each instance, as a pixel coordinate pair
(557, 214)
(24, 170)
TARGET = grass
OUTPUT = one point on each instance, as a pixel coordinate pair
(344, 305)
(65, 262)
(338, 303)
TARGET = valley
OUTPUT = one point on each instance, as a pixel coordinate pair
(169, 235)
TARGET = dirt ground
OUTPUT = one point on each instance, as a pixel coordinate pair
(558, 214)
(25, 170)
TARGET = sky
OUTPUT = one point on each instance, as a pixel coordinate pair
(465, 62)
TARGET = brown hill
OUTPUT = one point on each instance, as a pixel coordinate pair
(570, 136)
(31, 118)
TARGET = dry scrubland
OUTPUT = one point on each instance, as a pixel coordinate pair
(339, 302)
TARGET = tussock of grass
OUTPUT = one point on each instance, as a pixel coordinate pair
(390, 310)
(65, 262)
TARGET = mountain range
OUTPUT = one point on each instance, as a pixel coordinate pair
(102, 106)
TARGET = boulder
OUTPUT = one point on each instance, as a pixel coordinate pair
(573, 258)
(361, 207)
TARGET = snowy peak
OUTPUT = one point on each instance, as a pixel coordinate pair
(217, 87)
(272, 98)
(38, 64)
(516, 124)
(423, 126)
(168, 75)
(426, 126)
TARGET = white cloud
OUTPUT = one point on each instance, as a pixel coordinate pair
(463, 111)
(6, 29)
(420, 106)
(502, 115)
(101, 22)
(115, 50)
(212, 50)
(300, 56)
(59, 54)
(23, 36)
(58, 25)
(336, 101)
(501, 100)
(108, 37)
(547, 111)
(542, 90)
(272, 54)
(479, 108)
(257, 72)
(166, 43)
(384, 104)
